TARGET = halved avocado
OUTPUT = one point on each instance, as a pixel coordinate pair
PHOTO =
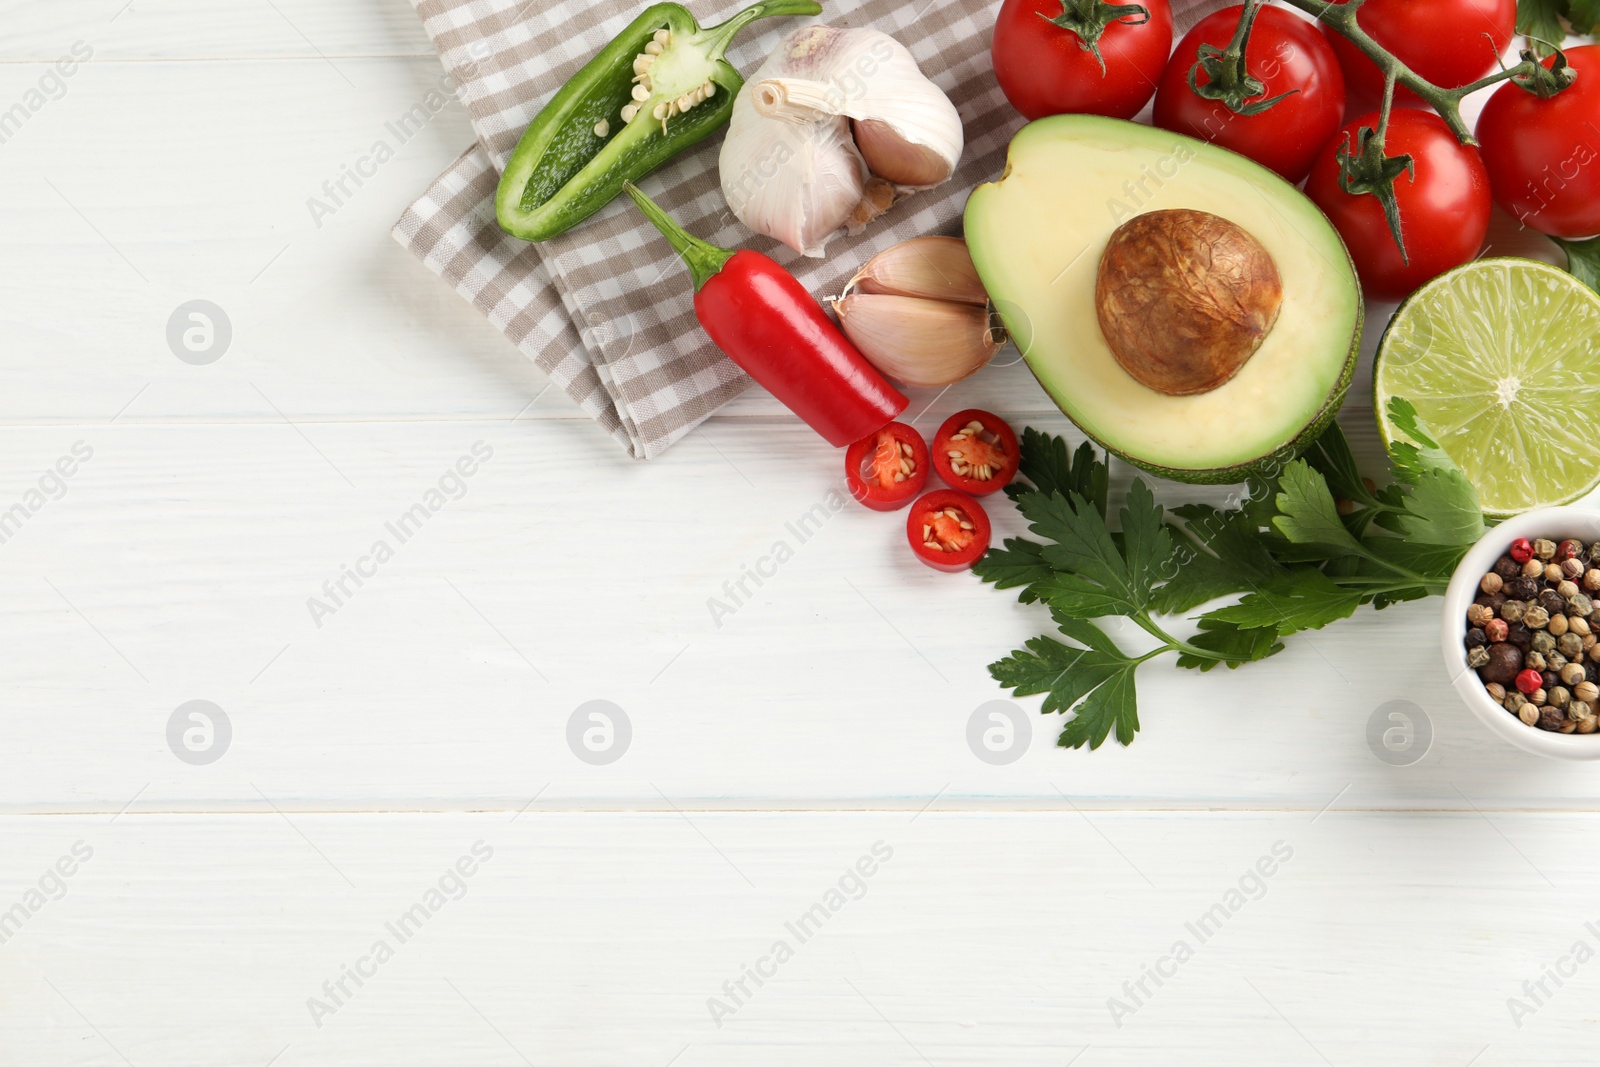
(1037, 236)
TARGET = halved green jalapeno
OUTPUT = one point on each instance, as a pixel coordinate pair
(659, 87)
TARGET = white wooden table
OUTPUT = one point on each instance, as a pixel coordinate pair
(230, 912)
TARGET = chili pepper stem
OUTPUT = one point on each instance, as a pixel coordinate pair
(715, 39)
(704, 259)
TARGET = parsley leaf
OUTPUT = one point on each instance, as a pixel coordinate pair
(1285, 551)
(1020, 563)
(1441, 505)
(1304, 599)
(1083, 545)
(1234, 644)
(1065, 675)
(1540, 22)
(1113, 704)
(1075, 595)
(1306, 512)
(1584, 16)
(1220, 553)
(1583, 260)
(1044, 463)
(1147, 545)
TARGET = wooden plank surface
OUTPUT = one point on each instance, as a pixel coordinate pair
(248, 849)
(971, 939)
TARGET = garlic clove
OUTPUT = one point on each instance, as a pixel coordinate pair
(895, 159)
(935, 268)
(916, 342)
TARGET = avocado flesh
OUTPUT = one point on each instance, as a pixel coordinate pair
(1036, 236)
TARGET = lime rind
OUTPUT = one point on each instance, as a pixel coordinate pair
(1501, 358)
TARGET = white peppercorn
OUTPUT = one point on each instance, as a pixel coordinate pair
(1587, 692)
(1528, 713)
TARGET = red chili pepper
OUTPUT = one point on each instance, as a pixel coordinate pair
(948, 530)
(886, 470)
(986, 454)
(767, 323)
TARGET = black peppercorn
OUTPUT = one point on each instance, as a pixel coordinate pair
(1553, 602)
(1518, 634)
(1476, 638)
(1551, 679)
(1522, 589)
(1505, 660)
(1591, 671)
(1551, 719)
(1507, 568)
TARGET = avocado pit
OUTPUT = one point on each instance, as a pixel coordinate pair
(1185, 298)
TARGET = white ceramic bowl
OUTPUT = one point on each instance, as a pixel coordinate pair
(1555, 524)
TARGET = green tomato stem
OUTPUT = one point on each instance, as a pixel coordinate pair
(1447, 102)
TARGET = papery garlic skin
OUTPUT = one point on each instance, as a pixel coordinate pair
(790, 165)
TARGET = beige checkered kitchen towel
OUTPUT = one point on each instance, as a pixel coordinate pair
(605, 309)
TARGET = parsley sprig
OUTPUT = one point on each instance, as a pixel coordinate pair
(1307, 546)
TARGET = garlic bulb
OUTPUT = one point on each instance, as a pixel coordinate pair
(835, 126)
(919, 313)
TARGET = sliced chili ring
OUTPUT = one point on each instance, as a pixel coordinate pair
(887, 469)
(976, 452)
(948, 530)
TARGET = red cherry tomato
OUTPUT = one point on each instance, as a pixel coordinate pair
(986, 452)
(949, 531)
(1449, 42)
(1542, 154)
(1285, 53)
(1046, 70)
(1444, 208)
(887, 469)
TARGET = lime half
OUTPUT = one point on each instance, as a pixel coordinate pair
(1501, 358)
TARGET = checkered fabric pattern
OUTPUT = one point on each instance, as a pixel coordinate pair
(606, 309)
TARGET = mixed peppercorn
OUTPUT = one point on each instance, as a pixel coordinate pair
(1531, 634)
